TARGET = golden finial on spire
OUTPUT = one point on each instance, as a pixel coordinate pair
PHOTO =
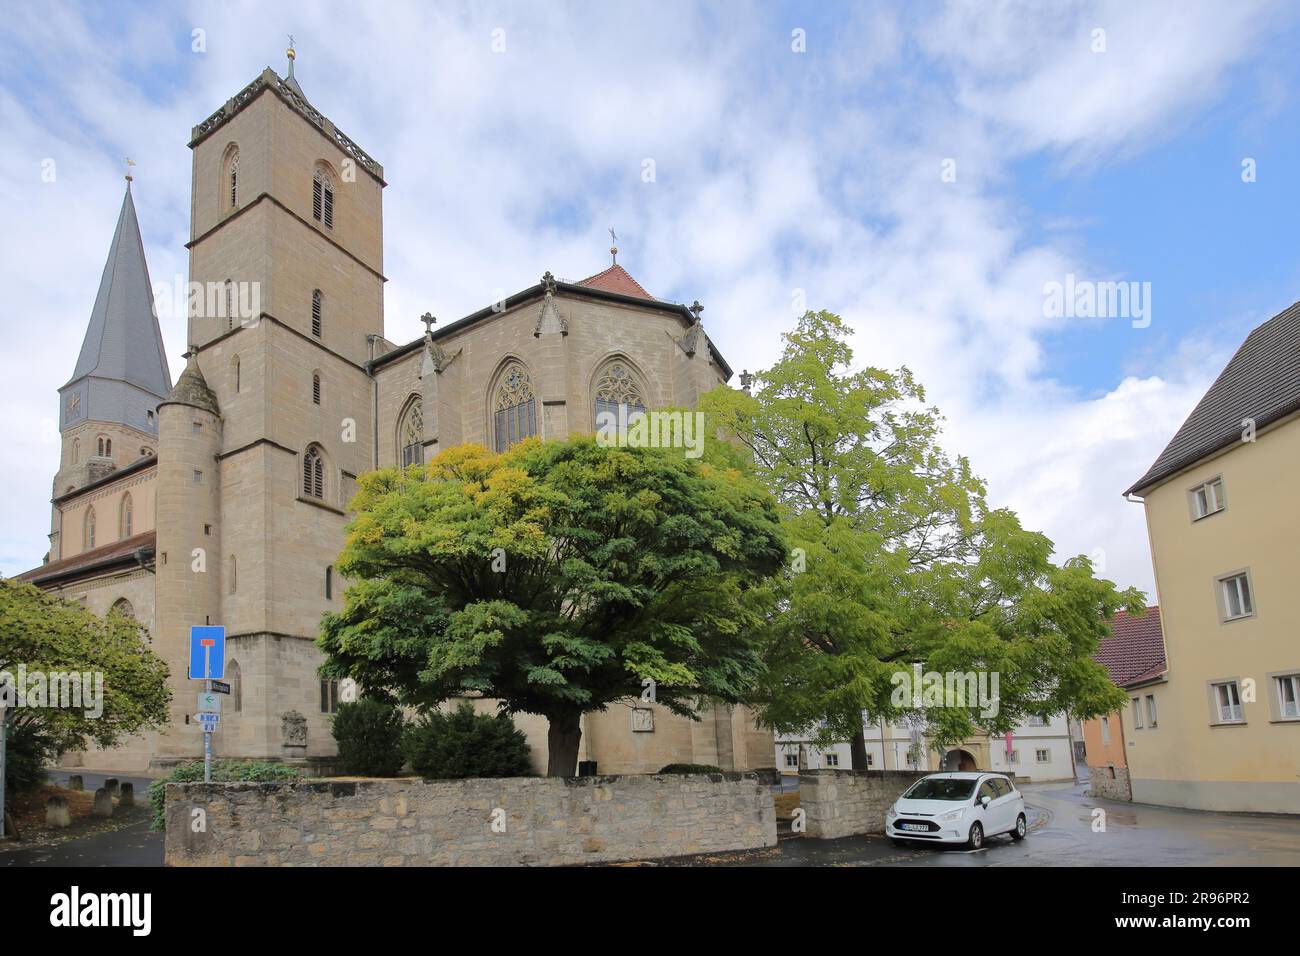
(290, 53)
(613, 245)
(129, 163)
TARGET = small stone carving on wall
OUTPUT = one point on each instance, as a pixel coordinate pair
(643, 720)
(293, 734)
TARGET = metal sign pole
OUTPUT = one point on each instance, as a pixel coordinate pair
(4, 726)
(207, 734)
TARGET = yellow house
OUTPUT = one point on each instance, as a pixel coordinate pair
(1223, 516)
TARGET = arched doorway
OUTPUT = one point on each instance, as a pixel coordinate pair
(959, 760)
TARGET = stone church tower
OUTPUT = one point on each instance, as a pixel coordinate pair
(237, 480)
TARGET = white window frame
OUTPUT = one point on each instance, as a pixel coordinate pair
(1235, 587)
(832, 760)
(1042, 755)
(1013, 757)
(1280, 683)
(1151, 711)
(1137, 713)
(1234, 713)
(1208, 498)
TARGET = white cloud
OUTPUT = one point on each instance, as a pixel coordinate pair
(775, 171)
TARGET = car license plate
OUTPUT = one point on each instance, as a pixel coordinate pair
(915, 826)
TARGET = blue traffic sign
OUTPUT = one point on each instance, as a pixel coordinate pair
(207, 652)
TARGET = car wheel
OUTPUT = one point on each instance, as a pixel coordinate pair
(976, 838)
(1021, 828)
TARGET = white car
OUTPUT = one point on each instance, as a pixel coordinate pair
(957, 808)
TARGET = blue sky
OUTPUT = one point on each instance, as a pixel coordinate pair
(777, 172)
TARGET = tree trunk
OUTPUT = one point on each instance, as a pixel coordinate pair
(858, 749)
(562, 739)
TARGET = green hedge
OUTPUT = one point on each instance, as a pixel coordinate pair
(461, 744)
(369, 735)
(691, 768)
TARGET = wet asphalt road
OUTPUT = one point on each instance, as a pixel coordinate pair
(1062, 834)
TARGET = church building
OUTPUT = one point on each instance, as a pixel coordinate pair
(223, 498)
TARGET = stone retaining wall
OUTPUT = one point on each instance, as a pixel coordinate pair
(1102, 785)
(498, 822)
(839, 803)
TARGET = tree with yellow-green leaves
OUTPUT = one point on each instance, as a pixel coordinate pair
(120, 684)
(901, 562)
(558, 577)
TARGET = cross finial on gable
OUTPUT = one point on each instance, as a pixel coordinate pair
(548, 282)
(428, 321)
(696, 309)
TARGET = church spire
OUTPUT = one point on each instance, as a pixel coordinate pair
(123, 348)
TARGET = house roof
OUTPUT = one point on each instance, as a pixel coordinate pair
(96, 560)
(616, 279)
(1135, 651)
(1261, 382)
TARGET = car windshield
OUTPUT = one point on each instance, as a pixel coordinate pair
(941, 788)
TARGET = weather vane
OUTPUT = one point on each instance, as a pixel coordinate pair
(129, 163)
(613, 245)
(290, 53)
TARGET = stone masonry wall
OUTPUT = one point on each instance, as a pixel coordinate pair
(841, 803)
(1102, 785)
(408, 822)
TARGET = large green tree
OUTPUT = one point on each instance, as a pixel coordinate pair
(45, 639)
(899, 561)
(558, 577)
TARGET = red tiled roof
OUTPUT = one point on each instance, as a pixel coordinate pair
(87, 560)
(616, 279)
(1135, 651)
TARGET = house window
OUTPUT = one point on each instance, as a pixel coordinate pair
(313, 473)
(1105, 731)
(1207, 499)
(90, 528)
(198, 477)
(871, 761)
(1137, 714)
(1151, 710)
(1227, 701)
(1037, 722)
(1288, 696)
(832, 760)
(1013, 756)
(515, 407)
(618, 396)
(196, 428)
(317, 309)
(322, 199)
(410, 434)
(1236, 597)
(315, 389)
(792, 760)
(1043, 756)
(329, 697)
(128, 516)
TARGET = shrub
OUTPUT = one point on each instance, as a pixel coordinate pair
(691, 768)
(223, 771)
(461, 743)
(28, 749)
(369, 735)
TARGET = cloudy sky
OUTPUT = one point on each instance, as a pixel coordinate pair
(924, 170)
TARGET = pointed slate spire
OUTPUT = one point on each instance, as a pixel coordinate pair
(122, 354)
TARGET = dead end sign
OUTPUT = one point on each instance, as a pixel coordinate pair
(207, 652)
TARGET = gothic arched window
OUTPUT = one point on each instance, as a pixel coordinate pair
(618, 392)
(313, 473)
(322, 198)
(232, 177)
(235, 678)
(104, 446)
(128, 516)
(410, 433)
(514, 406)
(317, 312)
(123, 607)
(90, 528)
